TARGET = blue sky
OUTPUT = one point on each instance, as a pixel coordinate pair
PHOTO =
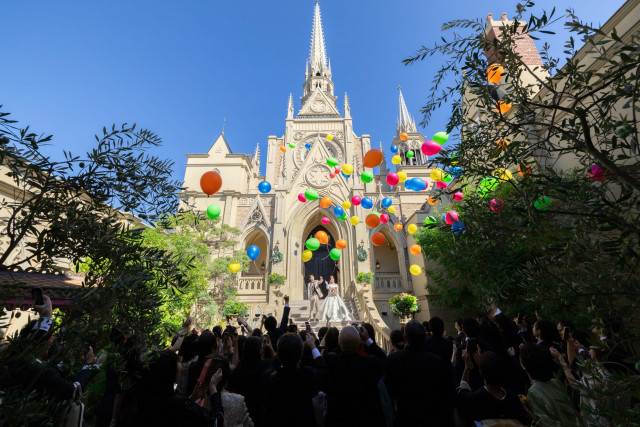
(178, 68)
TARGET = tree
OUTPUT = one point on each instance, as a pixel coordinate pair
(196, 239)
(72, 211)
(567, 237)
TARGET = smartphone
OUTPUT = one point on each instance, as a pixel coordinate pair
(205, 369)
(566, 334)
(355, 325)
(307, 326)
(36, 296)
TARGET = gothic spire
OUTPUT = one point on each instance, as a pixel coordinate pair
(318, 54)
(290, 107)
(405, 122)
(347, 107)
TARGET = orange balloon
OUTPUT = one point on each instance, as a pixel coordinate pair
(503, 107)
(397, 226)
(325, 202)
(322, 237)
(432, 201)
(494, 73)
(283, 148)
(502, 144)
(404, 136)
(415, 250)
(210, 182)
(524, 171)
(341, 244)
(378, 239)
(372, 159)
(372, 220)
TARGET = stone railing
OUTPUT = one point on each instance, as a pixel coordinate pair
(363, 297)
(251, 283)
(387, 281)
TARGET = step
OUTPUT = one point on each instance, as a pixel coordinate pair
(300, 313)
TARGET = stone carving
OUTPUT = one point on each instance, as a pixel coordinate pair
(319, 106)
(298, 136)
(318, 176)
(339, 136)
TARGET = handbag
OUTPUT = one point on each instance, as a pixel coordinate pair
(75, 413)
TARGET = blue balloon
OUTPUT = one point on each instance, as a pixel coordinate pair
(253, 252)
(366, 203)
(444, 217)
(264, 187)
(307, 145)
(408, 185)
(418, 184)
(338, 211)
(458, 228)
(456, 171)
(394, 148)
(346, 176)
(386, 202)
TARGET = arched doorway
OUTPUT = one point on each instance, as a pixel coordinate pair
(321, 263)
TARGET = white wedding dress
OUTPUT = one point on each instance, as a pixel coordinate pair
(334, 307)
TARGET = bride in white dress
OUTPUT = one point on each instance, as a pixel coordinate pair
(333, 307)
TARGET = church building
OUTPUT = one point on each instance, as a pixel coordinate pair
(279, 223)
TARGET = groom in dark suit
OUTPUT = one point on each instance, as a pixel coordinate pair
(322, 284)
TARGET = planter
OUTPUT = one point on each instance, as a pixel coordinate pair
(405, 318)
(232, 317)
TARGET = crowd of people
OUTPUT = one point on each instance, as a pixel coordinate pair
(521, 371)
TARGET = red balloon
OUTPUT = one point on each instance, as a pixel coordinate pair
(210, 182)
(378, 239)
(372, 159)
(431, 148)
(451, 217)
(496, 205)
(372, 220)
(332, 175)
(336, 171)
(393, 179)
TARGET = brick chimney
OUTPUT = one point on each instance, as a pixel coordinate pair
(524, 43)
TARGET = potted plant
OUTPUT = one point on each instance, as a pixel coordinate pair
(276, 279)
(404, 306)
(364, 278)
(233, 309)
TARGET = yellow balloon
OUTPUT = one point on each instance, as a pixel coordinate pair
(415, 269)
(329, 137)
(347, 169)
(355, 220)
(346, 204)
(396, 159)
(437, 174)
(306, 255)
(402, 175)
(503, 174)
(412, 228)
(391, 209)
(234, 267)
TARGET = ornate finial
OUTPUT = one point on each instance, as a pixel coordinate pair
(405, 121)
(503, 17)
(490, 18)
(224, 121)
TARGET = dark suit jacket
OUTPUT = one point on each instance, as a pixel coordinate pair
(417, 380)
(280, 330)
(287, 395)
(481, 405)
(475, 380)
(323, 289)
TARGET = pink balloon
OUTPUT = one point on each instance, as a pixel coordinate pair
(355, 200)
(431, 148)
(325, 220)
(302, 198)
(496, 205)
(393, 179)
(451, 217)
(458, 195)
(384, 218)
(596, 172)
(441, 184)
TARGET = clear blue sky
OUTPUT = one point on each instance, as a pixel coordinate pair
(180, 67)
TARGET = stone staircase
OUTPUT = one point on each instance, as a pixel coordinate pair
(300, 314)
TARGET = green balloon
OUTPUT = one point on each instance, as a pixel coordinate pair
(311, 194)
(292, 145)
(430, 220)
(213, 211)
(441, 137)
(332, 161)
(335, 254)
(312, 244)
(447, 177)
(376, 213)
(343, 217)
(487, 185)
(542, 204)
(409, 154)
(366, 177)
